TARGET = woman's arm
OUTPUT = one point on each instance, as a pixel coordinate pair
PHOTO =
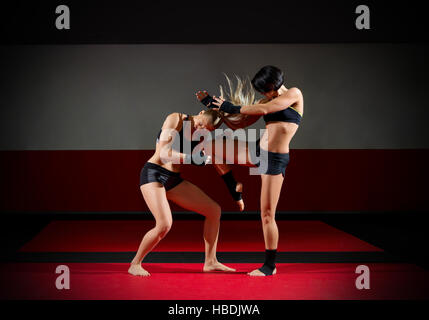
(282, 102)
(233, 124)
(169, 132)
(243, 122)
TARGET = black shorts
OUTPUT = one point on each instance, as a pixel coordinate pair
(152, 172)
(268, 162)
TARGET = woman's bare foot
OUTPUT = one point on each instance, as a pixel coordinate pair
(137, 270)
(258, 273)
(217, 266)
(239, 188)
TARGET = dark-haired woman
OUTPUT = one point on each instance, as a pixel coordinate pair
(282, 109)
(160, 181)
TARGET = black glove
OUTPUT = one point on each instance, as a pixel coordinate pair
(188, 158)
(208, 101)
(228, 107)
(231, 184)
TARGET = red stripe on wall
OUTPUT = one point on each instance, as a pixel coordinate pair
(316, 180)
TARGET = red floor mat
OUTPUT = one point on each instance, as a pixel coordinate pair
(187, 282)
(117, 236)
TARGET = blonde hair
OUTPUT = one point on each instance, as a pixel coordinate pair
(242, 95)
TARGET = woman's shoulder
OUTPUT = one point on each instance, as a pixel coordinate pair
(173, 120)
(292, 93)
(175, 115)
(299, 104)
(295, 91)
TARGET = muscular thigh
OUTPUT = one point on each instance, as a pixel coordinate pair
(190, 197)
(270, 191)
(156, 199)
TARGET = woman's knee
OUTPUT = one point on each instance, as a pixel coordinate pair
(214, 211)
(163, 227)
(267, 215)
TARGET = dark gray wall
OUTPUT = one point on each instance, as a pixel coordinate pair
(116, 96)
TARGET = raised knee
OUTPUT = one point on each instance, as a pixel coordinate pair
(216, 211)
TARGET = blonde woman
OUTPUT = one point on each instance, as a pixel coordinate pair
(282, 109)
(160, 182)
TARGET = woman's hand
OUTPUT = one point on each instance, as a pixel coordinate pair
(201, 95)
(218, 102)
(225, 106)
(205, 99)
(207, 158)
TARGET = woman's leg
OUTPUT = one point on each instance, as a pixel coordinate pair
(223, 170)
(226, 150)
(156, 199)
(270, 193)
(189, 196)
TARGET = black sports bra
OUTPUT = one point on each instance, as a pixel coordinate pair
(289, 114)
(182, 140)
